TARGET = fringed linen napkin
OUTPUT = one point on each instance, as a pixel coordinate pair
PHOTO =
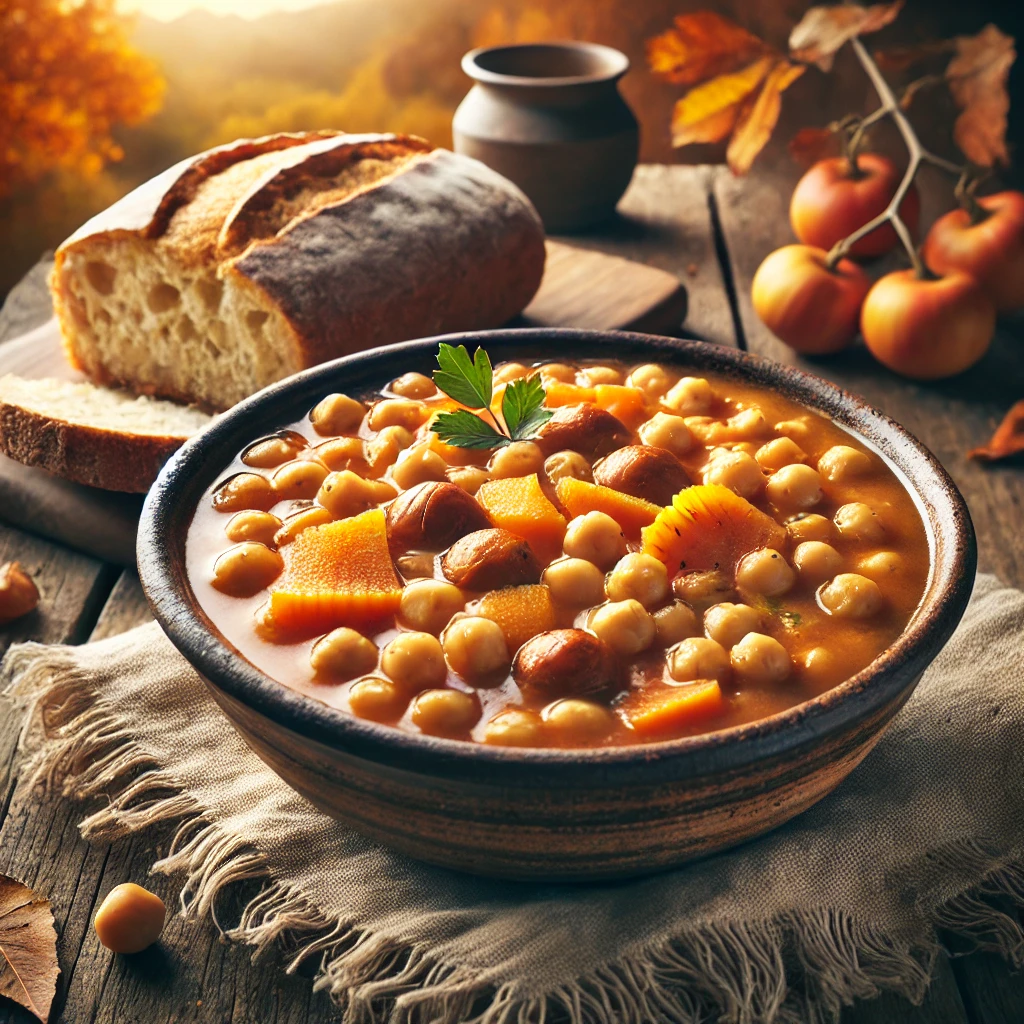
(842, 902)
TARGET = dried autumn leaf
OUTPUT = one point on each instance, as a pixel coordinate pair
(758, 119)
(823, 30)
(977, 78)
(709, 112)
(1007, 440)
(810, 145)
(28, 948)
(700, 46)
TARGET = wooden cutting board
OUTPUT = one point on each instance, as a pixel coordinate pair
(581, 288)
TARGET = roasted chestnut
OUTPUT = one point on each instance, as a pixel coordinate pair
(432, 516)
(581, 428)
(489, 560)
(564, 663)
(653, 474)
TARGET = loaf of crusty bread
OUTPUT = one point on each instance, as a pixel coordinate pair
(258, 259)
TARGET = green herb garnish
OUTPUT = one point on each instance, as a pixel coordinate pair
(789, 618)
(470, 382)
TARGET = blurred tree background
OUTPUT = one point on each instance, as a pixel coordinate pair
(93, 102)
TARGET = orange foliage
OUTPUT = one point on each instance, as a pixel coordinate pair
(67, 76)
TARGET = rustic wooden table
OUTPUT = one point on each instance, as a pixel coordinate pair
(712, 231)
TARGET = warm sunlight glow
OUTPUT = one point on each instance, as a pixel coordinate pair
(168, 10)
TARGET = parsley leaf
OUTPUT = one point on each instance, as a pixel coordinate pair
(467, 381)
(464, 429)
(521, 405)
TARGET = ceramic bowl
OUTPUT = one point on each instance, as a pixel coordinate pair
(555, 814)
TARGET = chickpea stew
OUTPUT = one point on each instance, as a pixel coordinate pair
(653, 555)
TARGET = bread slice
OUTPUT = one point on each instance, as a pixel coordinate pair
(92, 435)
(259, 259)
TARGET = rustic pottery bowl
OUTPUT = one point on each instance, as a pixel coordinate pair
(549, 117)
(555, 814)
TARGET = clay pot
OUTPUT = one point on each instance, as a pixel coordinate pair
(549, 117)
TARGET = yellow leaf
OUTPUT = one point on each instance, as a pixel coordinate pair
(823, 30)
(758, 120)
(700, 46)
(708, 112)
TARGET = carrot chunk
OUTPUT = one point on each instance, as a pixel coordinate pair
(707, 527)
(626, 404)
(337, 574)
(522, 612)
(672, 710)
(580, 497)
(556, 394)
(518, 504)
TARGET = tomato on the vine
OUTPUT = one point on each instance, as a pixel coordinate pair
(991, 250)
(927, 329)
(812, 308)
(833, 199)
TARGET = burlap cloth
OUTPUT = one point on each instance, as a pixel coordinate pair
(842, 902)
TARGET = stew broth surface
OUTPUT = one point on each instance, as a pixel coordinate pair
(850, 501)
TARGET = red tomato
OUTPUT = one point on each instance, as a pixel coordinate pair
(830, 203)
(812, 309)
(991, 251)
(927, 329)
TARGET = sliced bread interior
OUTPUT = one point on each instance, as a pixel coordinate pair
(93, 435)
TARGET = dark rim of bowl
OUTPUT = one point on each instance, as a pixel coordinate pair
(618, 65)
(885, 683)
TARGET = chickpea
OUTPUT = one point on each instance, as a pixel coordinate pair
(639, 576)
(505, 373)
(850, 596)
(515, 727)
(414, 661)
(816, 561)
(736, 470)
(591, 376)
(414, 385)
(663, 430)
(418, 464)
(560, 372)
(675, 622)
(428, 605)
(697, 658)
(246, 569)
(690, 396)
(799, 429)
(272, 451)
(336, 414)
(347, 494)
(253, 525)
(398, 412)
(469, 478)
(880, 565)
(565, 464)
(841, 462)
(294, 525)
(475, 647)
(782, 451)
(760, 659)
(299, 479)
(377, 699)
(245, 491)
(520, 458)
(745, 424)
(129, 919)
(625, 626)
(651, 379)
(700, 590)
(445, 712)
(342, 453)
(343, 654)
(595, 537)
(765, 572)
(382, 450)
(810, 526)
(818, 666)
(795, 487)
(573, 720)
(857, 521)
(727, 624)
(574, 582)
